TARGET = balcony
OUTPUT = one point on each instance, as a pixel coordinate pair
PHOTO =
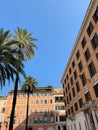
(89, 104)
(72, 116)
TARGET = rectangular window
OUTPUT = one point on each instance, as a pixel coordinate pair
(68, 86)
(30, 120)
(91, 69)
(52, 119)
(72, 111)
(90, 29)
(97, 55)
(70, 96)
(80, 66)
(75, 74)
(83, 79)
(83, 43)
(77, 86)
(80, 102)
(51, 101)
(69, 111)
(87, 96)
(87, 54)
(67, 100)
(73, 64)
(76, 106)
(45, 101)
(71, 80)
(94, 42)
(70, 71)
(77, 54)
(45, 120)
(67, 77)
(96, 90)
(95, 16)
(73, 92)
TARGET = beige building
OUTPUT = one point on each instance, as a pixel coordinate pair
(80, 78)
(3, 101)
(46, 110)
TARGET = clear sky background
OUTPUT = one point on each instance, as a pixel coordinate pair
(55, 24)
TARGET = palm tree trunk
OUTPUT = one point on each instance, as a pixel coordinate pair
(26, 128)
(14, 103)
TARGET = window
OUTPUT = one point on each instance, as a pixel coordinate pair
(71, 79)
(75, 74)
(3, 110)
(36, 101)
(73, 64)
(70, 71)
(67, 100)
(35, 120)
(61, 118)
(63, 85)
(96, 90)
(87, 96)
(80, 66)
(1, 119)
(90, 29)
(87, 54)
(66, 89)
(69, 111)
(77, 86)
(65, 81)
(76, 106)
(41, 120)
(68, 86)
(52, 119)
(83, 79)
(97, 55)
(72, 111)
(91, 69)
(80, 102)
(70, 96)
(78, 54)
(51, 101)
(31, 111)
(45, 101)
(14, 121)
(67, 77)
(83, 43)
(19, 121)
(73, 92)
(45, 120)
(95, 16)
(36, 110)
(94, 42)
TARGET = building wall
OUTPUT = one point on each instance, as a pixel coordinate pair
(3, 101)
(41, 109)
(72, 80)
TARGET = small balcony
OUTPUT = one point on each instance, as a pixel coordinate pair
(89, 104)
(72, 116)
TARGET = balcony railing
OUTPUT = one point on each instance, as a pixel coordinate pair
(89, 104)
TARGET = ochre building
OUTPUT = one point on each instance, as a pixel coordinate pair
(46, 110)
(80, 78)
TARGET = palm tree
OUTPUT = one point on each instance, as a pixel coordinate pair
(24, 42)
(9, 62)
(29, 86)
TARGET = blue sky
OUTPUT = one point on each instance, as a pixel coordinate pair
(55, 24)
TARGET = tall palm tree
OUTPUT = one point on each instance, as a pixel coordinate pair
(29, 86)
(24, 42)
(9, 61)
